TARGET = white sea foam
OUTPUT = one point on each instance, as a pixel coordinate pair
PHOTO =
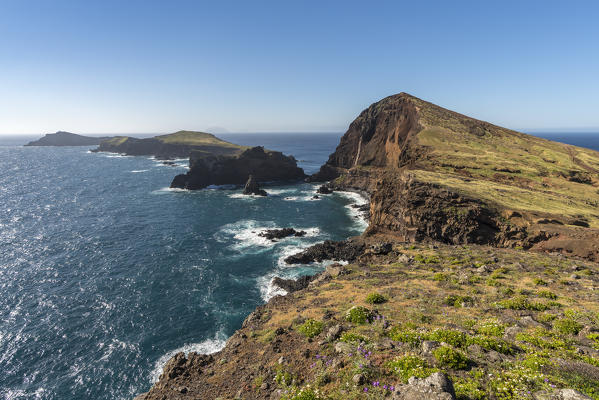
(169, 190)
(208, 346)
(267, 289)
(281, 191)
(247, 234)
(360, 222)
(139, 170)
(244, 196)
(116, 155)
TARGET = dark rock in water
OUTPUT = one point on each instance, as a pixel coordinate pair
(324, 190)
(169, 163)
(347, 250)
(265, 165)
(273, 234)
(251, 187)
(293, 285)
(315, 197)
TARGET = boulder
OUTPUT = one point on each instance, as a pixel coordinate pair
(435, 387)
(561, 394)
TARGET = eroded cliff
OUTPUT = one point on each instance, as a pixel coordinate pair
(439, 175)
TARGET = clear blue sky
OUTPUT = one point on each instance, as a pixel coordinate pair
(148, 66)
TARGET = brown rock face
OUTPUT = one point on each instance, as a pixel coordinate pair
(417, 211)
(379, 134)
(379, 137)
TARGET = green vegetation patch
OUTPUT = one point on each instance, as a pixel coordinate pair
(358, 315)
(311, 328)
(567, 326)
(353, 338)
(410, 365)
(450, 358)
(449, 336)
(375, 298)
(522, 303)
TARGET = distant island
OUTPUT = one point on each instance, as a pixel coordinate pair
(62, 138)
(174, 145)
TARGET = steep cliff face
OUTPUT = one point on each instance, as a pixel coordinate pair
(263, 165)
(435, 174)
(379, 135)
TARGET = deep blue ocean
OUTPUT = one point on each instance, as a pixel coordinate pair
(105, 272)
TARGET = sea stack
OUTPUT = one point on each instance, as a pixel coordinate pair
(252, 188)
(264, 165)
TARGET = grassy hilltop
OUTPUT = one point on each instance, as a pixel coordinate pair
(513, 170)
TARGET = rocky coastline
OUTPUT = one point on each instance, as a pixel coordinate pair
(452, 292)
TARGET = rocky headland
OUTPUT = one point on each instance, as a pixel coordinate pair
(477, 277)
(434, 174)
(62, 138)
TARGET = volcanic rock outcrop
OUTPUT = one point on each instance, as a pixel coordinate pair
(264, 165)
(252, 188)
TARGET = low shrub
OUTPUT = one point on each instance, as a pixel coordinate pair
(375, 298)
(522, 303)
(410, 365)
(305, 393)
(406, 336)
(539, 282)
(440, 277)
(548, 294)
(358, 315)
(490, 328)
(351, 337)
(567, 326)
(311, 328)
(454, 338)
(450, 358)
(455, 300)
(492, 343)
